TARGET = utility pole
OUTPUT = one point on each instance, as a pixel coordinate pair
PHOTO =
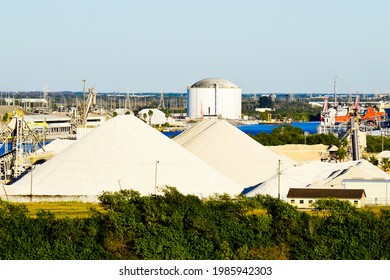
(279, 179)
(155, 178)
(306, 134)
(334, 91)
(127, 102)
(380, 128)
(31, 183)
(83, 100)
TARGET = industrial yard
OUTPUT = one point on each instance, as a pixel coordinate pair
(98, 142)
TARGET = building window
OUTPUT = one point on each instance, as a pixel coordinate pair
(310, 201)
(292, 201)
(301, 201)
(356, 202)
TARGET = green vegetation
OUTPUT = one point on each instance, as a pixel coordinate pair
(177, 226)
(375, 144)
(288, 134)
(6, 117)
(297, 111)
(281, 108)
(71, 209)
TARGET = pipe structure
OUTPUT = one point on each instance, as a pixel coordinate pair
(354, 140)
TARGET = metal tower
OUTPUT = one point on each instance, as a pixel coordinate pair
(162, 104)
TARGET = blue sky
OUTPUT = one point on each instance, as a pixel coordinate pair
(153, 46)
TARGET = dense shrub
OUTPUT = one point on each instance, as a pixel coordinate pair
(376, 144)
(46, 237)
(177, 226)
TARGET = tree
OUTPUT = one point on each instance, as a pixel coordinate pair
(347, 232)
(6, 117)
(341, 154)
(374, 160)
(150, 113)
(265, 102)
(375, 143)
(385, 164)
(167, 115)
(288, 134)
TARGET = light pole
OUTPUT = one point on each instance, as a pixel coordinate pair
(382, 140)
(31, 182)
(334, 91)
(155, 178)
(84, 89)
(279, 179)
(306, 134)
(83, 100)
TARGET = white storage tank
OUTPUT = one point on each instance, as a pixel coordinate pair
(214, 97)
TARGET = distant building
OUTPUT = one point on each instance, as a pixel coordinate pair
(36, 105)
(330, 154)
(377, 189)
(262, 110)
(60, 125)
(214, 97)
(305, 197)
(53, 126)
(157, 117)
(123, 111)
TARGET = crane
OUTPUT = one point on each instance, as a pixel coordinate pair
(80, 115)
(24, 143)
(90, 103)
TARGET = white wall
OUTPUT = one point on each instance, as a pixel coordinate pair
(228, 102)
(158, 117)
(307, 202)
(377, 191)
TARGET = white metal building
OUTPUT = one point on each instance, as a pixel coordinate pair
(214, 97)
(359, 174)
(54, 126)
(157, 117)
(378, 191)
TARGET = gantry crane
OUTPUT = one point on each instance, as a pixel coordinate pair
(20, 144)
(79, 117)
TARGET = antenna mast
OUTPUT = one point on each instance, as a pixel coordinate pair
(46, 99)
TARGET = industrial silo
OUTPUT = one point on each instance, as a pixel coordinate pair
(214, 97)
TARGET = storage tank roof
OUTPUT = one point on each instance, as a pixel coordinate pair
(211, 82)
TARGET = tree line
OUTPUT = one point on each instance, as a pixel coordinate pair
(288, 134)
(184, 227)
(295, 110)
